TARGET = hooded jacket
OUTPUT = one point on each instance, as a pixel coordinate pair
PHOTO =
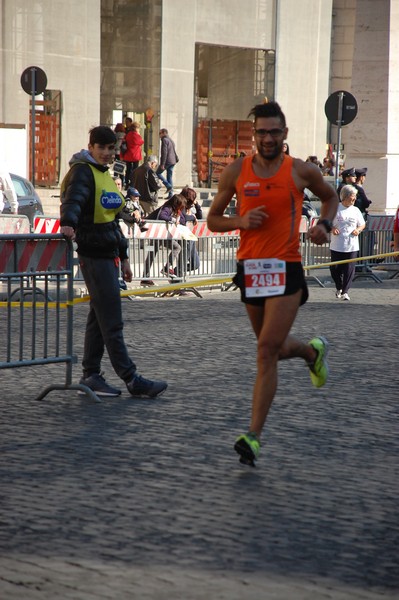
(90, 203)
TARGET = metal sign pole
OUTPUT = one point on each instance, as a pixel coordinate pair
(33, 121)
(339, 123)
(340, 114)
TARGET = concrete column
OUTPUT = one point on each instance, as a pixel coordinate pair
(302, 72)
(372, 140)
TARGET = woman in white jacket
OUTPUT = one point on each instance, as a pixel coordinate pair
(347, 225)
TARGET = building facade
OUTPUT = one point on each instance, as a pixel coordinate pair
(176, 63)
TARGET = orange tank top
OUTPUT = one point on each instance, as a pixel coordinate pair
(278, 237)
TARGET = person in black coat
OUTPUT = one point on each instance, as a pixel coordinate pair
(147, 183)
(89, 215)
(362, 201)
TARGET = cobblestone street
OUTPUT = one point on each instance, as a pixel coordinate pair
(146, 499)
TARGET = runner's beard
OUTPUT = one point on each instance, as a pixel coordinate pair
(271, 152)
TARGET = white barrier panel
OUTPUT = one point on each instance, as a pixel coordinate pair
(14, 224)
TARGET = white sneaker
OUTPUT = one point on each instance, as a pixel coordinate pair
(345, 297)
(338, 293)
(168, 272)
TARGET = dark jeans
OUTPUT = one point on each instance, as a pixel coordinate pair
(343, 274)
(130, 168)
(189, 259)
(104, 327)
(168, 182)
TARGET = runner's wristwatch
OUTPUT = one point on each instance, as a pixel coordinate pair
(327, 224)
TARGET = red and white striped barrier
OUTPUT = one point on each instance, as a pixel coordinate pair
(158, 230)
(14, 224)
(46, 225)
(380, 222)
(304, 224)
(22, 256)
(201, 230)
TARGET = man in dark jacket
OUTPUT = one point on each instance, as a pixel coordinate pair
(167, 161)
(90, 203)
(348, 178)
(356, 178)
(362, 202)
(148, 184)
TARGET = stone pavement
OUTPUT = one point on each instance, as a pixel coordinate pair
(138, 499)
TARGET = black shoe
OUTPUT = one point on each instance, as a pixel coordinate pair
(147, 282)
(99, 386)
(139, 386)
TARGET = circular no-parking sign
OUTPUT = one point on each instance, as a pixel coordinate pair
(349, 108)
(34, 77)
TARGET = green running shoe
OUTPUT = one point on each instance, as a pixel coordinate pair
(248, 447)
(319, 369)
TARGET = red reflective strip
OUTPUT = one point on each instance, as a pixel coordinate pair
(201, 230)
(303, 227)
(155, 231)
(6, 254)
(52, 225)
(37, 224)
(23, 261)
(46, 256)
(45, 225)
(384, 223)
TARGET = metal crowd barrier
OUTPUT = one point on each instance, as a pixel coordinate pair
(217, 251)
(149, 251)
(36, 275)
(375, 240)
(378, 240)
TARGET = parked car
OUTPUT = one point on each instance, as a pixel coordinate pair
(29, 203)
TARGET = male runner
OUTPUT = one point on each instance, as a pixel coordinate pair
(269, 188)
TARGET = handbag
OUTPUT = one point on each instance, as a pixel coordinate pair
(123, 147)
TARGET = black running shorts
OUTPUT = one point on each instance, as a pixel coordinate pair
(295, 280)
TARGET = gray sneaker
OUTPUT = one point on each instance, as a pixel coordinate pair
(97, 384)
(139, 387)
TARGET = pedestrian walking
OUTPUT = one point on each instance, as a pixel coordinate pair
(269, 187)
(90, 204)
(167, 161)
